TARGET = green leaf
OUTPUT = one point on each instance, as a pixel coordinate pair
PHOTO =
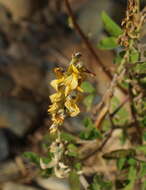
(132, 175)
(132, 162)
(87, 87)
(88, 122)
(121, 163)
(67, 137)
(78, 166)
(108, 43)
(72, 150)
(74, 181)
(142, 171)
(141, 67)
(143, 186)
(134, 56)
(88, 101)
(144, 136)
(47, 159)
(90, 134)
(122, 115)
(119, 57)
(46, 173)
(33, 157)
(90, 131)
(100, 184)
(141, 148)
(111, 27)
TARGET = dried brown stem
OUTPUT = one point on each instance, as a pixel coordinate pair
(86, 40)
(100, 148)
(133, 113)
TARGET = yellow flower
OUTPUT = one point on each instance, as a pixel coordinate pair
(56, 97)
(72, 108)
(71, 83)
(56, 83)
(58, 119)
(53, 108)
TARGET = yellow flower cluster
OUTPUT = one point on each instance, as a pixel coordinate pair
(67, 86)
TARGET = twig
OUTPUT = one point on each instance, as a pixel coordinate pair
(84, 182)
(107, 97)
(113, 127)
(119, 107)
(86, 40)
(101, 146)
(133, 112)
(101, 116)
(89, 46)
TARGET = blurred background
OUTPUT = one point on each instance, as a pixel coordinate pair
(34, 38)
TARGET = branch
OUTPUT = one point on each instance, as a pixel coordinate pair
(133, 112)
(86, 40)
(119, 107)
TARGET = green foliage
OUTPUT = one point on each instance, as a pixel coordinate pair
(122, 115)
(91, 93)
(87, 87)
(140, 67)
(88, 101)
(74, 181)
(110, 26)
(132, 175)
(134, 56)
(142, 171)
(100, 184)
(108, 43)
(121, 163)
(72, 150)
(121, 153)
(90, 131)
(141, 148)
(143, 186)
(67, 137)
(34, 158)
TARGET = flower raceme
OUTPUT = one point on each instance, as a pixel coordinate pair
(67, 86)
(64, 103)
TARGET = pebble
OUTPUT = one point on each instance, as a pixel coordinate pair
(8, 171)
(17, 115)
(53, 183)
(16, 186)
(4, 146)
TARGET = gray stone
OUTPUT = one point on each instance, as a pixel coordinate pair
(6, 84)
(4, 147)
(15, 186)
(53, 183)
(8, 171)
(17, 115)
(90, 16)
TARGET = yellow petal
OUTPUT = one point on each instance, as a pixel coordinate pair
(59, 72)
(56, 97)
(72, 107)
(57, 119)
(80, 89)
(53, 108)
(73, 69)
(71, 83)
(56, 83)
